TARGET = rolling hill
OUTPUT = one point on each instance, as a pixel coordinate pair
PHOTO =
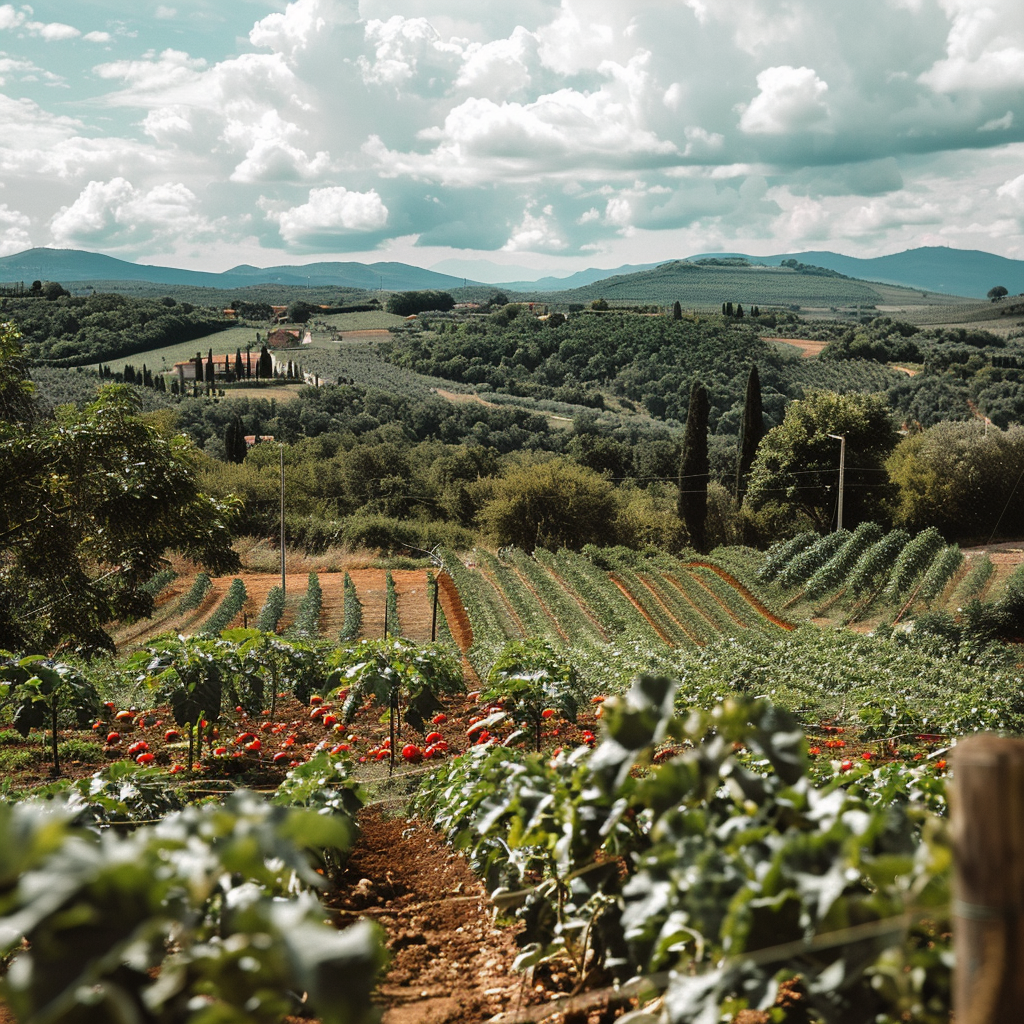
(77, 266)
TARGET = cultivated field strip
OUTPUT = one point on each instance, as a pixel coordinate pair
(594, 603)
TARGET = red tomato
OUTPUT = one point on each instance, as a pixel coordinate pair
(330, 720)
(548, 713)
(124, 716)
(340, 748)
(432, 737)
(145, 758)
(475, 695)
(412, 753)
(171, 735)
(113, 737)
(240, 710)
(139, 747)
(846, 766)
(256, 746)
(177, 768)
(439, 718)
(316, 699)
(281, 756)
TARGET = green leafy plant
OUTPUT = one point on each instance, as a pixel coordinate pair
(271, 612)
(528, 679)
(38, 691)
(307, 620)
(227, 611)
(353, 612)
(179, 922)
(188, 674)
(396, 674)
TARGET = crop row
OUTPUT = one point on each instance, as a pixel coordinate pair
(307, 619)
(228, 609)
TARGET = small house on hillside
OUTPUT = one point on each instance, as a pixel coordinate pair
(251, 439)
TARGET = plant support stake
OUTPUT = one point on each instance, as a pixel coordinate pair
(283, 586)
(987, 826)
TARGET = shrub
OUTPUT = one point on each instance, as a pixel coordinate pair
(353, 614)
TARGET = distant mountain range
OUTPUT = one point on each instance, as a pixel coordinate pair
(949, 271)
(74, 266)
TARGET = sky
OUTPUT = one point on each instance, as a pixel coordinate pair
(539, 136)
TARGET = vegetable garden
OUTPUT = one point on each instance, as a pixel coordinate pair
(684, 802)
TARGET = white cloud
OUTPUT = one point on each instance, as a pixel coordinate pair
(12, 18)
(984, 48)
(567, 131)
(500, 68)
(23, 70)
(165, 13)
(401, 45)
(329, 211)
(115, 214)
(293, 30)
(1013, 191)
(998, 124)
(791, 100)
(271, 156)
(14, 236)
(97, 37)
(535, 233)
(893, 212)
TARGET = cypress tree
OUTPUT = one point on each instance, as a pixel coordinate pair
(234, 440)
(128, 373)
(248, 364)
(199, 368)
(751, 432)
(739, 310)
(728, 309)
(239, 373)
(723, 309)
(266, 370)
(677, 311)
(693, 468)
(209, 368)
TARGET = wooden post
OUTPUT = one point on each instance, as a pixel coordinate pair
(987, 825)
(433, 612)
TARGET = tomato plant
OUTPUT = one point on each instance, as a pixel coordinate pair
(39, 690)
(533, 683)
(397, 675)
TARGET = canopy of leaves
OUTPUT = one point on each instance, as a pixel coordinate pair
(797, 463)
(90, 502)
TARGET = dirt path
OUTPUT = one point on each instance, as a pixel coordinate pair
(449, 963)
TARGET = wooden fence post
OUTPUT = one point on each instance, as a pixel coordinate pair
(987, 822)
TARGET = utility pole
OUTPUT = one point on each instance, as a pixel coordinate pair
(842, 474)
(282, 522)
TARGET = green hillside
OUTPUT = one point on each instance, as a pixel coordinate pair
(709, 286)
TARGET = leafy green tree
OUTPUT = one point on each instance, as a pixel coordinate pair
(553, 504)
(961, 479)
(797, 464)
(693, 468)
(89, 504)
(751, 431)
(677, 310)
(997, 293)
(410, 303)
